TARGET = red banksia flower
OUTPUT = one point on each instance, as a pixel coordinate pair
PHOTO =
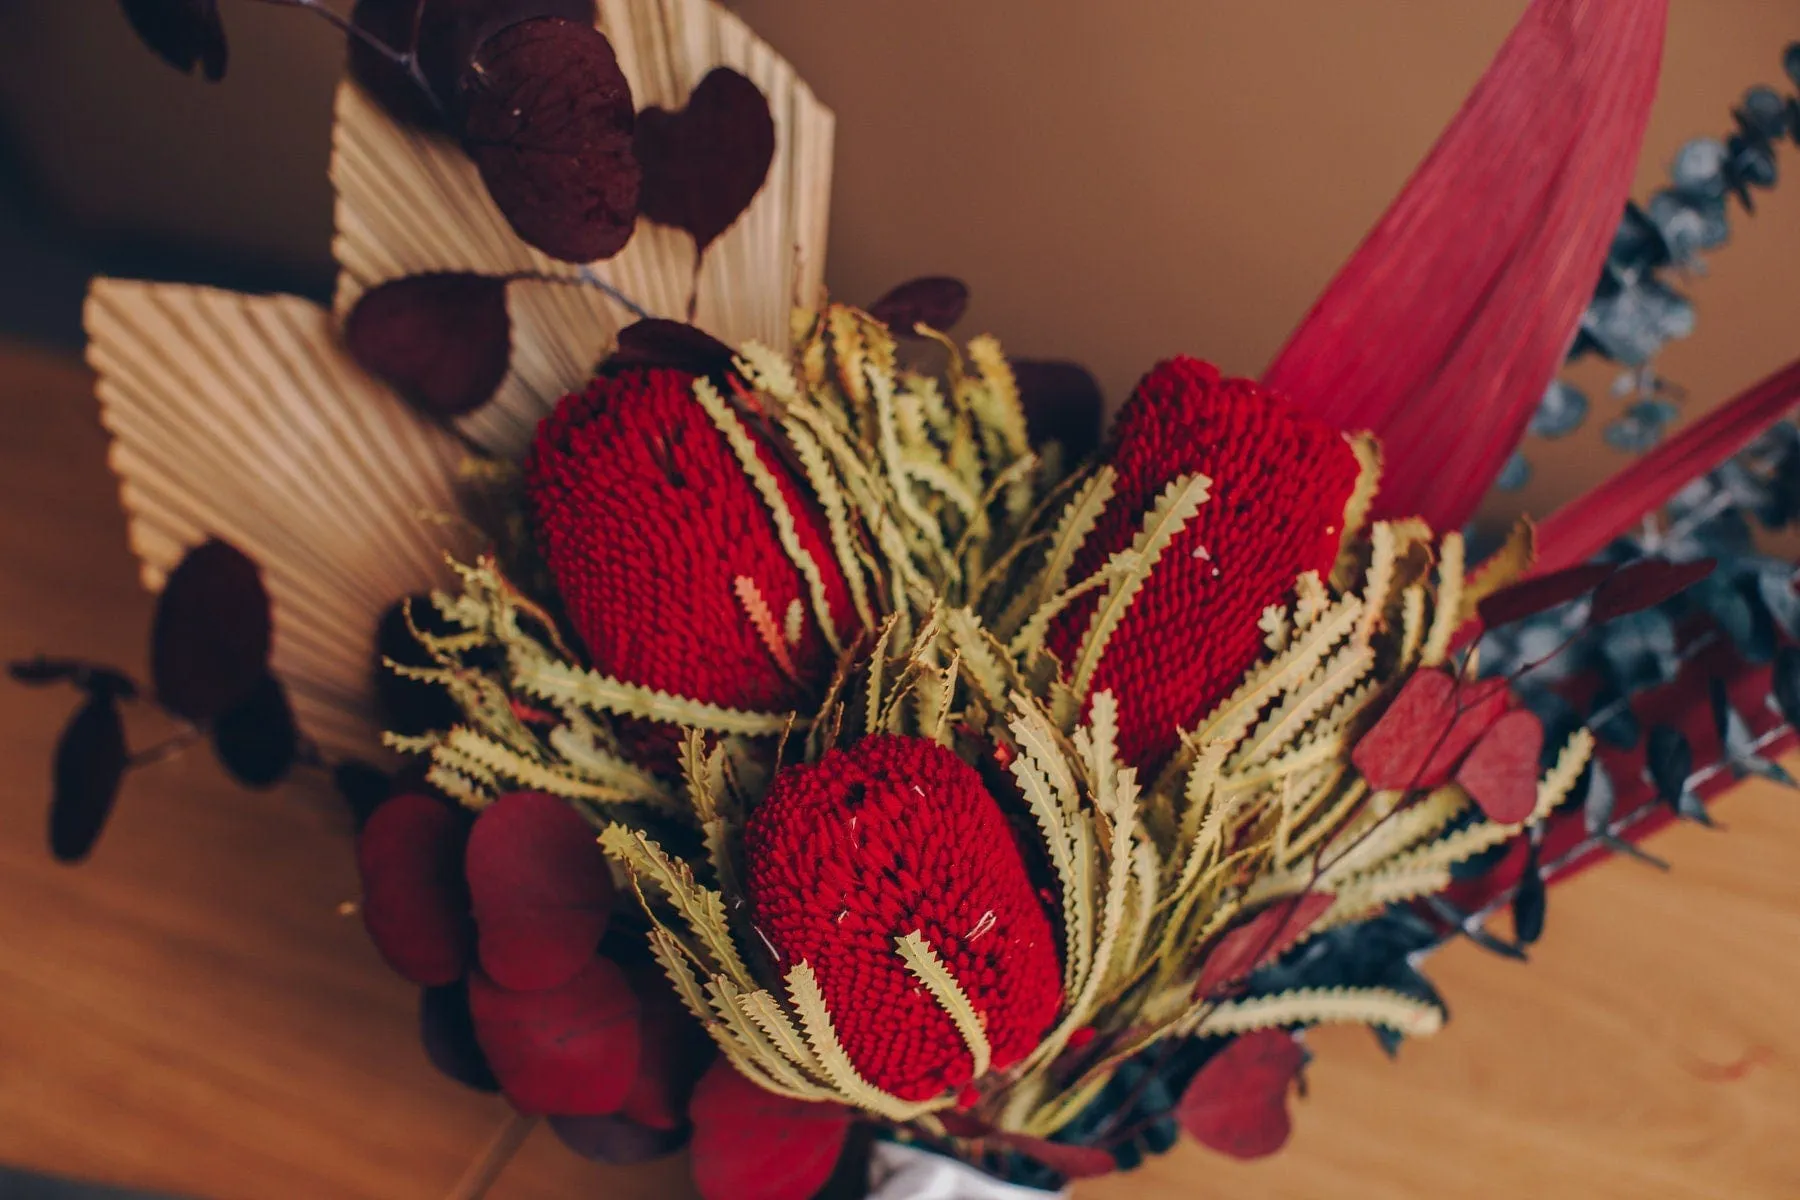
(891, 836)
(665, 555)
(1276, 510)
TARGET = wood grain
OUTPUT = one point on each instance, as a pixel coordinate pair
(188, 1012)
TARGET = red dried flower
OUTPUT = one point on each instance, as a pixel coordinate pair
(869, 844)
(665, 555)
(1276, 510)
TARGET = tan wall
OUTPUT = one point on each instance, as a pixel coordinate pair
(1115, 181)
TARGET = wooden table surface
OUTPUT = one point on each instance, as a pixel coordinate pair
(189, 1013)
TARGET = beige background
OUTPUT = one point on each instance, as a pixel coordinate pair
(1116, 182)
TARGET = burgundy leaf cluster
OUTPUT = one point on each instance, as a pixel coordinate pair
(500, 917)
(209, 663)
(1438, 728)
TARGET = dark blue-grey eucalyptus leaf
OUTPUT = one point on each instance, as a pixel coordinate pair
(1786, 684)
(1602, 798)
(1561, 411)
(1670, 760)
(1632, 324)
(1639, 650)
(1529, 901)
(1611, 717)
(1515, 474)
(1775, 587)
(1690, 224)
(1742, 755)
(1699, 169)
(1642, 426)
(1790, 62)
(1618, 845)
(1763, 113)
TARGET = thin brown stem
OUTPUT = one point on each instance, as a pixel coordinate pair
(501, 1147)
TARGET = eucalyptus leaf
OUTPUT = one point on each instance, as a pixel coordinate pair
(1602, 799)
(1786, 684)
(1670, 760)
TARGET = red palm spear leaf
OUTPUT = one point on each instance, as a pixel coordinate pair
(1444, 328)
(1582, 528)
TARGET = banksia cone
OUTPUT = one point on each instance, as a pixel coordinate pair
(1280, 484)
(666, 557)
(893, 836)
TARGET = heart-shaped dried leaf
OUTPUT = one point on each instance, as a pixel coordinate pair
(704, 165)
(411, 706)
(183, 33)
(1261, 939)
(617, 1139)
(540, 888)
(751, 1144)
(89, 677)
(1062, 402)
(1501, 772)
(659, 342)
(1237, 1102)
(89, 764)
(571, 1050)
(415, 903)
(1645, 584)
(448, 32)
(674, 1053)
(1430, 725)
(442, 341)
(547, 117)
(447, 1032)
(1529, 597)
(209, 641)
(934, 301)
(1529, 901)
(256, 739)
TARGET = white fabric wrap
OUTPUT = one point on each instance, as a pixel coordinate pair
(899, 1172)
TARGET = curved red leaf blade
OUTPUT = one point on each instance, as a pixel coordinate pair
(1501, 772)
(1645, 584)
(88, 768)
(571, 1050)
(1443, 329)
(415, 904)
(704, 164)
(751, 1144)
(1581, 528)
(547, 117)
(210, 638)
(1237, 1102)
(1261, 939)
(540, 889)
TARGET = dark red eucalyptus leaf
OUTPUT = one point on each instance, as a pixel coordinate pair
(209, 641)
(442, 341)
(674, 1052)
(449, 31)
(1645, 584)
(183, 33)
(415, 903)
(1263, 938)
(1501, 772)
(751, 1144)
(1237, 1103)
(255, 739)
(447, 1032)
(547, 117)
(659, 342)
(540, 889)
(411, 706)
(617, 1140)
(89, 764)
(704, 165)
(89, 677)
(363, 787)
(571, 1050)
(1541, 593)
(1430, 725)
(1062, 403)
(934, 301)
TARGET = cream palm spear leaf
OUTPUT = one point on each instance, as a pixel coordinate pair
(242, 417)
